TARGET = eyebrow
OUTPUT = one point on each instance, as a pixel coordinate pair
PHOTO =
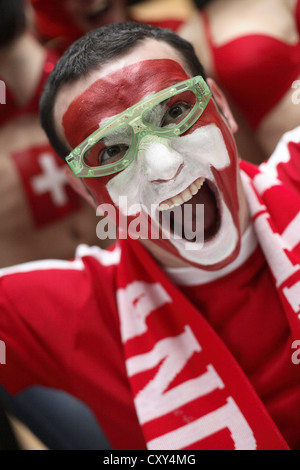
(106, 120)
(122, 130)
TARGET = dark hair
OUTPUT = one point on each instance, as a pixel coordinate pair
(12, 20)
(95, 49)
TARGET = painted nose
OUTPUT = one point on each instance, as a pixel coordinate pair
(160, 161)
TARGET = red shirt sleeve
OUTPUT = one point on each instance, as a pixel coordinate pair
(40, 307)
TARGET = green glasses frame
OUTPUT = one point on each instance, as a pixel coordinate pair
(134, 117)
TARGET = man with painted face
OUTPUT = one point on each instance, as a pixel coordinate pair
(174, 342)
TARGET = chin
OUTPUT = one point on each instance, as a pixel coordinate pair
(212, 244)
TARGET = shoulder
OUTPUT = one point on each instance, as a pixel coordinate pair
(67, 283)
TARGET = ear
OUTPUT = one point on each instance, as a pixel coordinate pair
(223, 104)
(79, 187)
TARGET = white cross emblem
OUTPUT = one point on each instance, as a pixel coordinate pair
(53, 180)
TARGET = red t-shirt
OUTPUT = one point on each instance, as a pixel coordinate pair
(60, 324)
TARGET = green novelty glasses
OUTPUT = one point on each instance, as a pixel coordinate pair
(169, 113)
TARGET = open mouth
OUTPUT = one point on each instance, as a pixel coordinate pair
(182, 217)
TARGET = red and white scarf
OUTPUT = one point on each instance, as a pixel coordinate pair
(188, 390)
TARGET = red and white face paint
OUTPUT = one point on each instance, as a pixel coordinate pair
(200, 166)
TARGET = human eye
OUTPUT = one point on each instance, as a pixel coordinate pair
(110, 149)
(101, 154)
(167, 113)
(171, 111)
(112, 154)
(175, 114)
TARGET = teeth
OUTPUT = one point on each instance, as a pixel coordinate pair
(183, 197)
(164, 207)
(186, 195)
(177, 201)
(199, 183)
(194, 189)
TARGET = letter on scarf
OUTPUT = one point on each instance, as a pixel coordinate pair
(136, 302)
(228, 416)
(153, 401)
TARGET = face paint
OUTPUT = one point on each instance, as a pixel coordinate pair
(165, 169)
(130, 84)
(154, 182)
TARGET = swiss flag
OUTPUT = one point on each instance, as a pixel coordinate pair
(49, 195)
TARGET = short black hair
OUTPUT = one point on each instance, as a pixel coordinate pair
(12, 21)
(95, 49)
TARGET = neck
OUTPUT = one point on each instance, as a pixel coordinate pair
(163, 257)
(21, 64)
